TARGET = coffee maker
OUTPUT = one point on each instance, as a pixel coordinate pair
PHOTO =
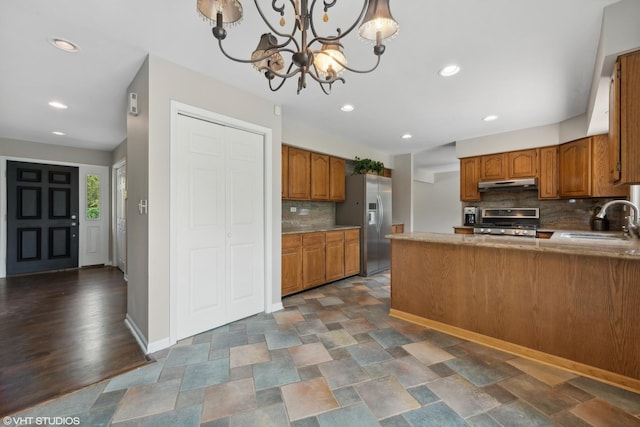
(470, 215)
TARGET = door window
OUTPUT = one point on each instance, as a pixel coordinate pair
(93, 197)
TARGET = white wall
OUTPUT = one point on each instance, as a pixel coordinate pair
(325, 142)
(509, 141)
(436, 206)
(620, 33)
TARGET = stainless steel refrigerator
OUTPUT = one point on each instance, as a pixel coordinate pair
(368, 204)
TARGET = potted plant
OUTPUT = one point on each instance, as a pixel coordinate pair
(363, 166)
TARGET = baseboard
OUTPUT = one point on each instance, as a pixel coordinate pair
(275, 307)
(137, 333)
(159, 345)
(612, 378)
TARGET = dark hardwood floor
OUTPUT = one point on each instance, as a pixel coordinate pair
(62, 331)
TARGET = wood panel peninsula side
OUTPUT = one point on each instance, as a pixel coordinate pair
(558, 301)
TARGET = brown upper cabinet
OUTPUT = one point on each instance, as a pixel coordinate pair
(522, 164)
(513, 164)
(624, 121)
(312, 176)
(336, 179)
(584, 169)
(572, 170)
(299, 174)
(493, 167)
(285, 171)
(469, 177)
(548, 173)
(319, 176)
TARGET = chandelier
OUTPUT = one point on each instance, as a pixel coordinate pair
(319, 57)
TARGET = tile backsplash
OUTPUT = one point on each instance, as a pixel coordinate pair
(308, 214)
(565, 214)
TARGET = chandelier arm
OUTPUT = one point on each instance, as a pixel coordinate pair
(290, 37)
(353, 70)
(340, 33)
(326, 81)
(277, 87)
(282, 76)
(251, 61)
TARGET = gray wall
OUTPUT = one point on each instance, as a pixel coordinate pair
(138, 189)
(436, 206)
(53, 153)
(148, 164)
(119, 153)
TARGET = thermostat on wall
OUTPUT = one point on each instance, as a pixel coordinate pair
(133, 104)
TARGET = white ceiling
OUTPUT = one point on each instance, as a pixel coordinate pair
(530, 62)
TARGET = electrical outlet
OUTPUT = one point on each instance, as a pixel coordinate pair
(293, 209)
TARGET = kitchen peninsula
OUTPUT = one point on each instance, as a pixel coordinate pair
(568, 302)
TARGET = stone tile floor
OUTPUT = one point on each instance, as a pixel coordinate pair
(334, 357)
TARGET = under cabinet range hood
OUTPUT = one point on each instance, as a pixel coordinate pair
(509, 185)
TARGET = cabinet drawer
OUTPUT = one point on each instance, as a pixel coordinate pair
(351, 234)
(313, 239)
(335, 236)
(291, 241)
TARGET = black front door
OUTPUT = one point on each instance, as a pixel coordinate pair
(42, 217)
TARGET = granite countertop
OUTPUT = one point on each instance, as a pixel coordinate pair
(556, 244)
(319, 228)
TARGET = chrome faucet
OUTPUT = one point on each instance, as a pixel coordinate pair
(633, 227)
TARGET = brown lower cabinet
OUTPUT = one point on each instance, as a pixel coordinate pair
(313, 259)
(291, 263)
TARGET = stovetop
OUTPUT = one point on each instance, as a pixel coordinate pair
(509, 222)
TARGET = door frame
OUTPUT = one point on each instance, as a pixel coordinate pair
(82, 202)
(196, 112)
(114, 227)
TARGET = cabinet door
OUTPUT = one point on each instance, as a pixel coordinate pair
(336, 179)
(469, 176)
(319, 176)
(575, 168)
(601, 186)
(334, 255)
(548, 178)
(291, 264)
(522, 164)
(630, 118)
(351, 252)
(493, 167)
(614, 125)
(299, 174)
(285, 171)
(313, 259)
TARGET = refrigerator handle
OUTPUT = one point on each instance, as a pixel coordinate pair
(381, 216)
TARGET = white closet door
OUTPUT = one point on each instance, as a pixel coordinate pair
(219, 232)
(244, 222)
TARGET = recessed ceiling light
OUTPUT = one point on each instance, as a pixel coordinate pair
(407, 136)
(490, 118)
(59, 105)
(347, 107)
(64, 45)
(57, 132)
(450, 70)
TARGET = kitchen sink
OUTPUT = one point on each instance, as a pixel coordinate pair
(588, 235)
